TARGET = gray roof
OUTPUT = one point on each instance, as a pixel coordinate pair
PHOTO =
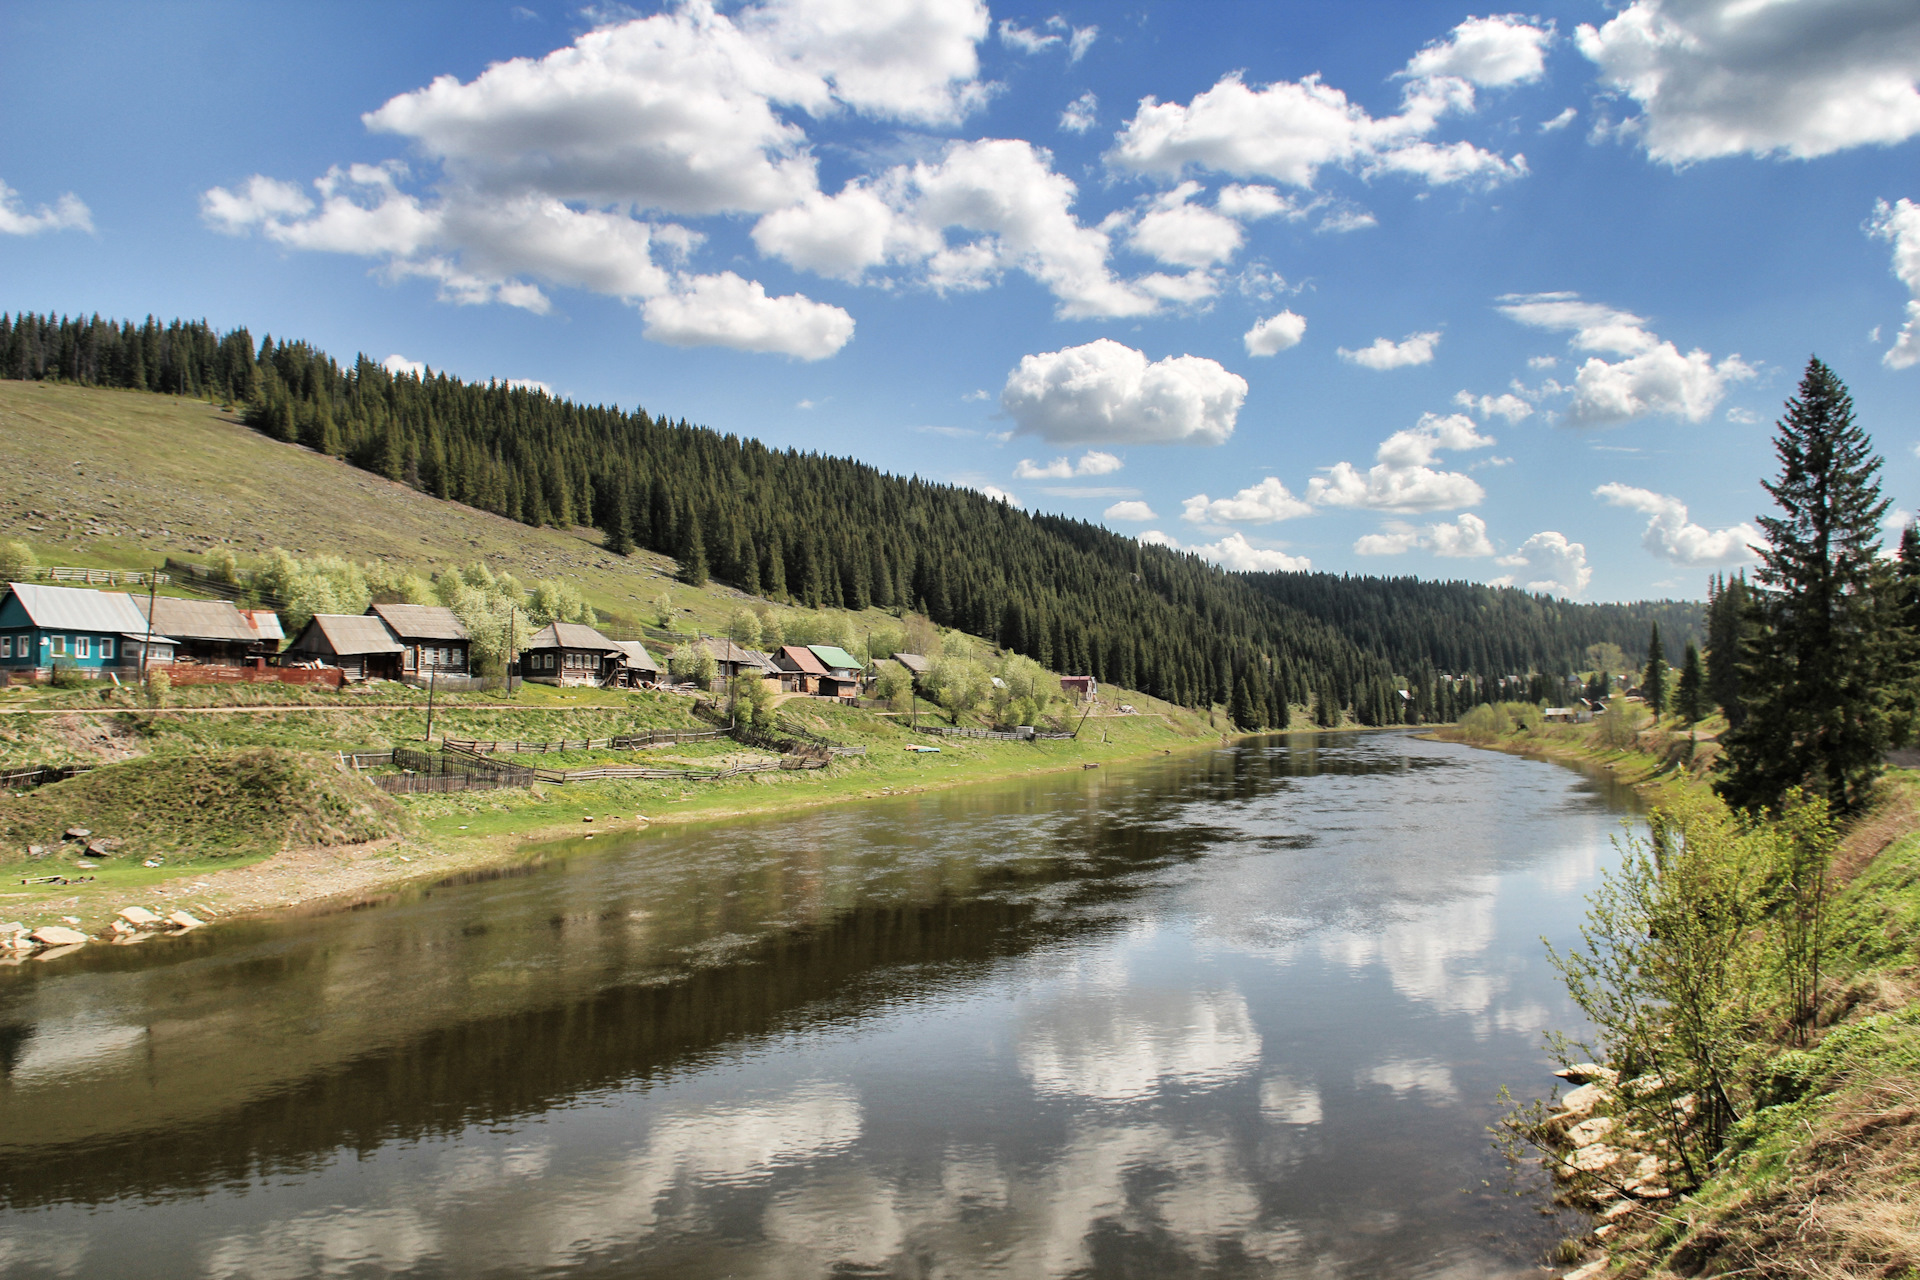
(637, 656)
(725, 650)
(421, 621)
(348, 634)
(570, 635)
(199, 619)
(72, 609)
(266, 623)
(914, 662)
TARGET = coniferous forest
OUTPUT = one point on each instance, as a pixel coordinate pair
(832, 531)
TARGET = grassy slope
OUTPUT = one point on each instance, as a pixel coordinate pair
(1823, 1178)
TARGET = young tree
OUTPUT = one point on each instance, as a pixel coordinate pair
(1817, 671)
(1653, 684)
(1690, 700)
(1729, 606)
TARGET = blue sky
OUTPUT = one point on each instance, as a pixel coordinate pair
(1375, 287)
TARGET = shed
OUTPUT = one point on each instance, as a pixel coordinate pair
(799, 670)
(360, 645)
(1085, 688)
(431, 636)
(92, 632)
(571, 653)
(205, 631)
(266, 625)
(636, 664)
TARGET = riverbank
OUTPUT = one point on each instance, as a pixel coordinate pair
(470, 833)
(1821, 1176)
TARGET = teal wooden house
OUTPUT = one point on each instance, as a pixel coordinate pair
(94, 632)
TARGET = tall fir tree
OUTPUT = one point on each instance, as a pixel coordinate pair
(1906, 695)
(1729, 621)
(693, 554)
(1690, 698)
(1653, 681)
(1828, 636)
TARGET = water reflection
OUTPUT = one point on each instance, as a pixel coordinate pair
(1235, 1014)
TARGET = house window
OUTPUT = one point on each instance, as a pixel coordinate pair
(83, 646)
(6, 646)
(59, 646)
(106, 648)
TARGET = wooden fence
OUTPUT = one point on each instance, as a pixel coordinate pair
(100, 577)
(195, 673)
(625, 742)
(39, 775)
(1001, 735)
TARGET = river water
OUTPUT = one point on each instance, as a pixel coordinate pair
(1241, 1013)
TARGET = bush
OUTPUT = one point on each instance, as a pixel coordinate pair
(1485, 723)
(159, 688)
(1618, 727)
(16, 561)
(67, 676)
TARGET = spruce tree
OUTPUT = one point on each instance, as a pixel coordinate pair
(1815, 674)
(1729, 606)
(693, 555)
(619, 529)
(1653, 684)
(1690, 700)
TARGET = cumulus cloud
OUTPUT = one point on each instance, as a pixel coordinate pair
(399, 364)
(1275, 334)
(1091, 463)
(1130, 511)
(1108, 393)
(1184, 234)
(1415, 348)
(1234, 553)
(1403, 478)
(1547, 562)
(1463, 537)
(1262, 503)
(1021, 40)
(1250, 202)
(1672, 536)
(1081, 114)
(1652, 378)
(1506, 405)
(1561, 121)
(1289, 130)
(67, 213)
(1899, 225)
(1002, 190)
(728, 311)
(1727, 77)
(995, 492)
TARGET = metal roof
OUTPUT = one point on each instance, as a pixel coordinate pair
(351, 633)
(422, 621)
(914, 662)
(725, 650)
(802, 659)
(265, 623)
(199, 619)
(637, 656)
(72, 609)
(570, 635)
(836, 657)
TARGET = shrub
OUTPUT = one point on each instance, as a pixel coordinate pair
(1617, 724)
(16, 561)
(67, 676)
(1485, 723)
(159, 688)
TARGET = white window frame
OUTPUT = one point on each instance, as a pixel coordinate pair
(106, 648)
(58, 648)
(83, 647)
(6, 646)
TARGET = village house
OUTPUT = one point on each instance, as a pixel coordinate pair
(1085, 688)
(730, 660)
(637, 666)
(842, 679)
(266, 625)
(566, 653)
(432, 638)
(798, 670)
(358, 644)
(95, 633)
(208, 632)
(917, 665)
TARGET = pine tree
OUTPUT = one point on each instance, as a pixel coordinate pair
(693, 556)
(1905, 700)
(1653, 684)
(1728, 624)
(1690, 700)
(1827, 632)
(619, 521)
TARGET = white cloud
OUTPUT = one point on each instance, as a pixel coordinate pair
(1506, 405)
(1542, 362)
(1742, 417)
(1107, 393)
(1492, 52)
(1091, 463)
(1275, 334)
(1463, 537)
(1402, 479)
(67, 213)
(1004, 190)
(1416, 348)
(995, 492)
(1183, 234)
(1234, 553)
(1671, 536)
(1079, 40)
(398, 364)
(1899, 225)
(1131, 511)
(1762, 77)
(1081, 114)
(1341, 221)
(1021, 40)
(1262, 503)
(727, 311)
(1252, 202)
(1290, 130)
(1560, 121)
(529, 384)
(1653, 378)
(1551, 563)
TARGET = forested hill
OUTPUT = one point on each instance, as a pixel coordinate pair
(1468, 626)
(824, 530)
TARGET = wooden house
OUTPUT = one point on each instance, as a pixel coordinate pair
(93, 632)
(637, 666)
(1085, 688)
(917, 665)
(570, 653)
(266, 625)
(730, 660)
(358, 644)
(432, 638)
(208, 632)
(843, 671)
(797, 669)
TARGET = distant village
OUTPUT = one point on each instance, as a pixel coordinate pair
(48, 629)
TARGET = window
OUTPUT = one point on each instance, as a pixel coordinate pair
(83, 646)
(6, 646)
(106, 648)
(59, 646)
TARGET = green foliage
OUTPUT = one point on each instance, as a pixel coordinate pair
(1618, 724)
(66, 675)
(1653, 681)
(16, 561)
(753, 703)
(554, 601)
(489, 606)
(323, 584)
(744, 629)
(1818, 673)
(159, 688)
(1690, 698)
(894, 686)
(1607, 658)
(1485, 723)
(1700, 944)
(224, 565)
(1729, 625)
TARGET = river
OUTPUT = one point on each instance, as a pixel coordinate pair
(1237, 1013)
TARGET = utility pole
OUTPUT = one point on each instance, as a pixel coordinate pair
(433, 678)
(146, 646)
(512, 647)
